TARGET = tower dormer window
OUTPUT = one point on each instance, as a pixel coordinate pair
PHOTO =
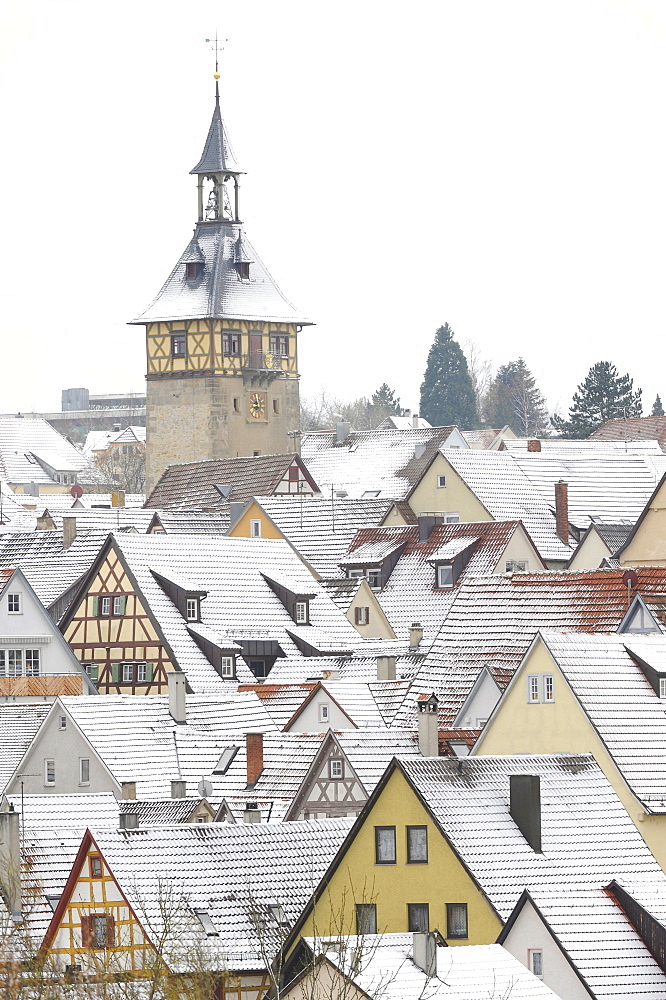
(193, 269)
(243, 268)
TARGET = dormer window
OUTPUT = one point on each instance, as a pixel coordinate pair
(444, 576)
(243, 268)
(662, 687)
(192, 609)
(193, 269)
(301, 612)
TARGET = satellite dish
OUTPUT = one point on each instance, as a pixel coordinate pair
(205, 788)
(630, 578)
(76, 491)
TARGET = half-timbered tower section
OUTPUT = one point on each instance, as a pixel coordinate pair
(221, 338)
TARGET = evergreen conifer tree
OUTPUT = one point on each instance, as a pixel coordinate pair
(513, 399)
(604, 395)
(447, 393)
(657, 408)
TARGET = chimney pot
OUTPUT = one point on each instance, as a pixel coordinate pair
(562, 510)
(415, 635)
(415, 420)
(128, 790)
(68, 531)
(525, 807)
(386, 668)
(177, 701)
(534, 445)
(254, 748)
(178, 788)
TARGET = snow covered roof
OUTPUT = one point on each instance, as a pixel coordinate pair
(50, 569)
(18, 725)
(26, 440)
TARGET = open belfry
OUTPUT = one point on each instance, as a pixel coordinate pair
(221, 338)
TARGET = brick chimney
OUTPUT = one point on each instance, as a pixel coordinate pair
(254, 747)
(562, 510)
(68, 531)
(534, 445)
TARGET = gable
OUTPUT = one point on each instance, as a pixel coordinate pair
(520, 549)
(378, 625)
(319, 712)
(243, 527)
(647, 544)
(455, 497)
(330, 789)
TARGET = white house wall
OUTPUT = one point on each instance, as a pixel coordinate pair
(529, 932)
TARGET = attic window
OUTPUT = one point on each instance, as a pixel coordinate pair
(193, 269)
(662, 687)
(225, 760)
(444, 575)
(203, 917)
(370, 494)
(517, 566)
(193, 613)
(301, 612)
(243, 268)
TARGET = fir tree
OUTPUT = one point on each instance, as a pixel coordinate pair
(513, 399)
(447, 393)
(657, 408)
(385, 398)
(604, 395)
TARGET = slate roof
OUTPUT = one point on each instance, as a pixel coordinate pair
(231, 871)
(24, 438)
(382, 966)
(218, 155)
(321, 529)
(493, 620)
(219, 292)
(383, 460)
(587, 840)
(632, 429)
(192, 486)
(613, 535)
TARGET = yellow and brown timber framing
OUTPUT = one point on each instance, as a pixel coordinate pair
(108, 641)
(204, 348)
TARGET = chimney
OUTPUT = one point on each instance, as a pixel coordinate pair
(415, 636)
(342, 432)
(534, 445)
(428, 720)
(129, 821)
(426, 523)
(415, 420)
(118, 498)
(178, 787)
(68, 531)
(252, 813)
(10, 860)
(424, 952)
(562, 510)
(128, 790)
(177, 685)
(525, 807)
(254, 747)
(236, 508)
(386, 668)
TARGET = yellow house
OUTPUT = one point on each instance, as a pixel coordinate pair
(598, 694)
(646, 545)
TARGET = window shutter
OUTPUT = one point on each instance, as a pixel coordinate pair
(85, 931)
(115, 672)
(149, 671)
(123, 604)
(110, 931)
(95, 607)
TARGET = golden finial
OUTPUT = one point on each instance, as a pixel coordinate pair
(216, 76)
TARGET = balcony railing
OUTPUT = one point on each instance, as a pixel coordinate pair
(261, 361)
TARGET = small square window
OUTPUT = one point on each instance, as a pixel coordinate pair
(445, 576)
(142, 672)
(255, 528)
(535, 957)
(548, 687)
(192, 609)
(119, 605)
(294, 474)
(227, 666)
(101, 928)
(84, 770)
(366, 918)
(62, 722)
(336, 769)
(456, 920)
(14, 604)
(417, 845)
(385, 845)
(231, 344)
(418, 917)
(49, 772)
(533, 688)
(441, 482)
(95, 866)
(301, 612)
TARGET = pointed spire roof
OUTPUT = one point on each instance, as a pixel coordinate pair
(218, 156)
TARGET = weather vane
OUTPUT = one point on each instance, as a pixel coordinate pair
(217, 47)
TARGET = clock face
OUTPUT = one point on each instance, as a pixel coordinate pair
(257, 405)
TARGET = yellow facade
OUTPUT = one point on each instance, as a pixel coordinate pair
(648, 546)
(378, 626)
(454, 498)
(441, 880)
(561, 726)
(243, 527)
(204, 348)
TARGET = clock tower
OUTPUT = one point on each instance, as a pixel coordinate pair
(221, 338)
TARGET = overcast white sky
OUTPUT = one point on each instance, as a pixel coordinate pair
(500, 166)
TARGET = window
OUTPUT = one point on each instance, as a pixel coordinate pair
(225, 760)
(127, 673)
(236, 404)
(370, 494)
(355, 574)
(361, 616)
(517, 566)
(14, 604)
(231, 344)
(441, 482)
(142, 672)
(385, 845)
(548, 687)
(259, 669)
(227, 666)
(32, 663)
(375, 578)
(243, 268)
(417, 845)
(192, 609)
(336, 768)
(533, 688)
(193, 269)
(279, 345)
(535, 962)
(301, 612)
(456, 920)
(49, 772)
(276, 409)
(119, 604)
(84, 770)
(105, 606)
(98, 931)
(95, 863)
(62, 722)
(92, 669)
(294, 474)
(14, 662)
(418, 917)
(178, 348)
(445, 576)
(366, 918)
(662, 687)
(255, 528)
(451, 518)
(324, 713)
